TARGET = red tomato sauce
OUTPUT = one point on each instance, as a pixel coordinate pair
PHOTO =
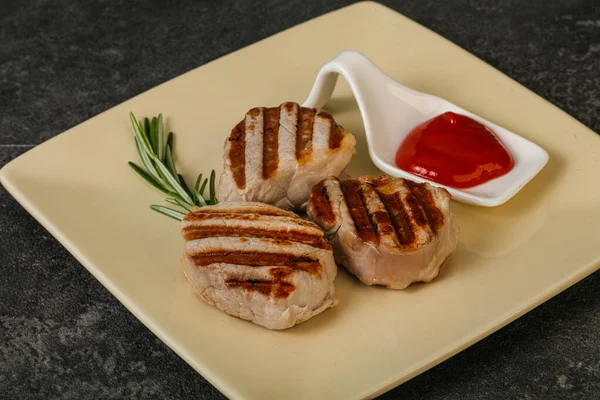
(454, 150)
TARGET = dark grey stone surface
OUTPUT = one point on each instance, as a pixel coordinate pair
(62, 335)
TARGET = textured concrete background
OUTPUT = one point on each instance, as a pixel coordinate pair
(62, 335)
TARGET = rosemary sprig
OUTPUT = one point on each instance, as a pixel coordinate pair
(157, 156)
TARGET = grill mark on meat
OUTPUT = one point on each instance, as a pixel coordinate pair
(335, 131)
(358, 211)
(384, 222)
(321, 203)
(425, 197)
(270, 142)
(336, 136)
(280, 273)
(380, 219)
(304, 134)
(289, 106)
(284, 288)
(251, 285)
(363, 198)
(278, 287)
(257, 259)
(398, 218)
(202, 216)
(287, 236)
(255, 112)
(416, 211)
(237, 154)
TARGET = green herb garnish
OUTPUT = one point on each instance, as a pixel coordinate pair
(160, 172)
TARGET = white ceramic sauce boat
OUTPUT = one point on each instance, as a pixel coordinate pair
(390, 111)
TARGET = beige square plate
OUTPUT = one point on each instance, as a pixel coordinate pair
(510, 258)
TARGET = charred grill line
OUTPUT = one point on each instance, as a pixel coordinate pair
(204, 216)
(293, 236)
(398, 218)
(322, 203)
(304, 134)
(433, 214)
(336, 136)
(237, 154)
(372, 221)
(278, 287)
(270, 142)
(335, 131)
(257, 259)
(358, 211)
(380, 217)
(416, 211)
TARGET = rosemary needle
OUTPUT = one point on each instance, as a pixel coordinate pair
(169, 212)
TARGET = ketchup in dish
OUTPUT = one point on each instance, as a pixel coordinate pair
(454, 150)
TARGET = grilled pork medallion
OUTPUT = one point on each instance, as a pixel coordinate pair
(386, 231)
(276, 155)
(259, 263)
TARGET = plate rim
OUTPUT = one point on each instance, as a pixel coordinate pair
(228, 390)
